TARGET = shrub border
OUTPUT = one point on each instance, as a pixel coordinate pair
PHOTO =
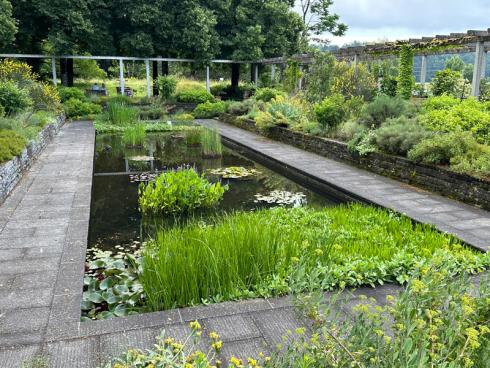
(462, 187)
(11, 172)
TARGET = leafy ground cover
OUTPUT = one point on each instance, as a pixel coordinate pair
(26, 106)
(279, 251)
(417, 328)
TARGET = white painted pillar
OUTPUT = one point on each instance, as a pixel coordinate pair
(484, 65)
(53, 70)
(208, 79)
(273, 73)
(256, 73)
(423, 70)
(300, 80)
(148, 81)
(121, 75)
(477, 71)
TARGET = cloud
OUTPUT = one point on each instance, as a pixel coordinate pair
(392, 19)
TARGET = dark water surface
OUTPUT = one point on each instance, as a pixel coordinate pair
(115, 219)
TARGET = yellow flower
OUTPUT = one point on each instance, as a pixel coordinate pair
(214, 335)
(300, 331)
(318, 252)
(252, 362)
(195, 326)
(294, 259)
(261, 355)
(217, 345)
(236, 362)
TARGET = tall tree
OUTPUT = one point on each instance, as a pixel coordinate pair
(8, 26)
(318, 18)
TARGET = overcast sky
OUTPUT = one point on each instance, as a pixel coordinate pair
(372, 20)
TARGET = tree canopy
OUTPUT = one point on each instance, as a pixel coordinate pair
(8, 26)
(198, 29)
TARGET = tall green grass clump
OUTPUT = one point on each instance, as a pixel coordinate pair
(211, 143)
(134, 135)
(279, 251)
(121, 114)
(193, 136)
(177, 192)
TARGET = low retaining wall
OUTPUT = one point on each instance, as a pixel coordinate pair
(11, 171)
(458, 186)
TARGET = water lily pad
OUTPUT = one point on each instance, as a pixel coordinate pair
(234, 172)
(282, 198)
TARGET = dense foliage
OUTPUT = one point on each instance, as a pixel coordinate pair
(180, 191)
(406, 81)
(271, 250)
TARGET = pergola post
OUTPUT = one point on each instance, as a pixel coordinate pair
(356, 64)
(121, 75)
(148, 82)
(484, 65)
(254, 70)
(53, 70)
(208, 81)
(300, 80)
(273, 73)
(478, 67)
(423, 70)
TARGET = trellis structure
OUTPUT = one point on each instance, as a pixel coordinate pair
(122, 59)
(473, 41)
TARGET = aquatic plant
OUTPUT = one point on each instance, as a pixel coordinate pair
(282, 198)
(211, 143)
(134, 135)
(180, 191)
(234, 172)
(111, 286)
(279, 251)
(121, 114)
(193, 136)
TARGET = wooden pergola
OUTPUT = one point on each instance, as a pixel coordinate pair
(473, 41)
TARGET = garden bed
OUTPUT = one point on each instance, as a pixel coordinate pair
(11, 171)
(437, 179)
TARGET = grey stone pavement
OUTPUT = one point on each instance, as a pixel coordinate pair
(468, 223)
(43, 239)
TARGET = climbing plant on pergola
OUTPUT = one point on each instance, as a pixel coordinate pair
(473, 41)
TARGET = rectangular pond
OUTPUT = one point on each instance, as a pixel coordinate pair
(116, 223)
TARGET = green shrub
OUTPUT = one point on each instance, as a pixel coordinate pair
(166, 86)
(363, 142)
(211, 143)
(331, 111)
(447, 114)
(400, 135)
(349, 81)
(389, 86)
(267, 94)
(382, 108)
(240, 108)
(11, 145)
(273, 252)
(319, 76)
(67, 93)
(134, 135)
(13, 99)
(194, 96)
(121, 114)
(181, 191)
(119, 99)
(446, 82)
(349, 129)
(441, 148)
(209, 109)
(76, 109)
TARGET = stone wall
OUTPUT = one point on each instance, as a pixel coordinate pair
(11, 171)
(436, 179)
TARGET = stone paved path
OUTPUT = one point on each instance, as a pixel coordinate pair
(468, 223)
(43, 240)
